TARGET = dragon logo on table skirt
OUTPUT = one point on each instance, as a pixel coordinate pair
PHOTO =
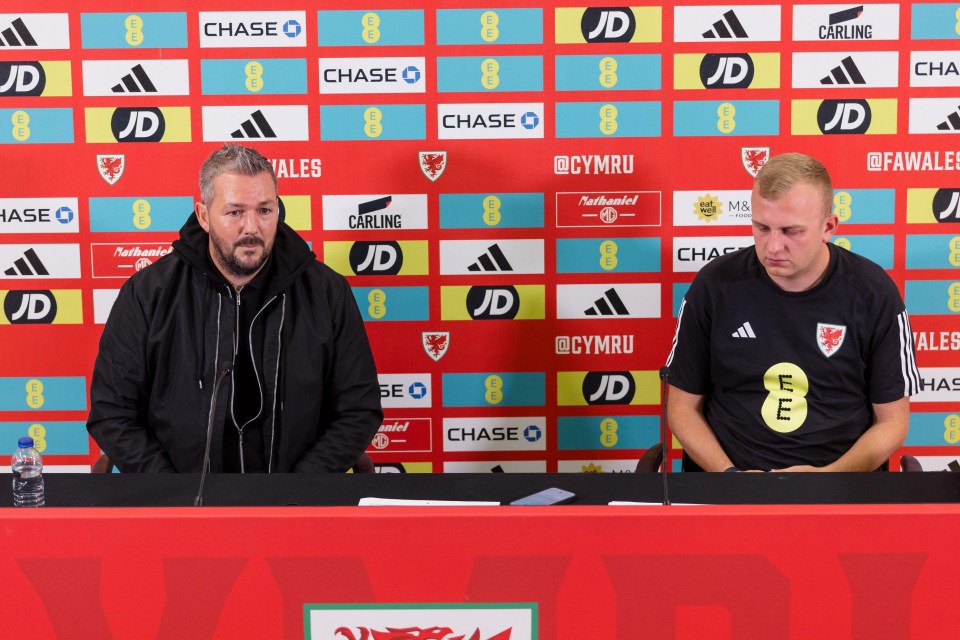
(415, 633)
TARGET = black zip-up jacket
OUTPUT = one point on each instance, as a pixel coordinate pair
(172, 329)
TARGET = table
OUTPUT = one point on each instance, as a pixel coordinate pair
(884, 568)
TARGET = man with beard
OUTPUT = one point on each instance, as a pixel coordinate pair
(241, 299)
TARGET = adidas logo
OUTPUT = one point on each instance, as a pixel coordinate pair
(492, 260)
(727, 28)
(22, 266)
(846, 73)
(744, 331)
(609, 305)
(137, 81)
(952, 123)
(8, 37)
(256, 127)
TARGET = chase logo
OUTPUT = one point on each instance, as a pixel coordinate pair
(509, 302)
(385, 258)
(34, 31)
(372, 75)
(405, 390)
(490, 121)
(844, 117)
(494, 434)
(252, 29)
(138, 124)
(38, 215)
(726, 71)
(19, 79)
(61, 306)
(934, 69)
(601, 25)
(145, 30)
(607, 388)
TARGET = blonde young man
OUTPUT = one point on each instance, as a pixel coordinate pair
(793, 354)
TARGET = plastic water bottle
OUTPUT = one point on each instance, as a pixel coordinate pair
(27, 467)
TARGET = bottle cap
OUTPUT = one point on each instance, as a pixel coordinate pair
(25, 442)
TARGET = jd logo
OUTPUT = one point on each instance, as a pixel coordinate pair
(493, 303)
(610, 387)
(608, 24)
(22, 79)
(30, 307)
(945, 203)
(729, 71)
(376, 258)
(137, 125)
(843, 116)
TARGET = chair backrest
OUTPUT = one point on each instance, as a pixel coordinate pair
(651, 459)
(364, 465)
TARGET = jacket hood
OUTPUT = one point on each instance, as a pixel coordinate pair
(290, 254)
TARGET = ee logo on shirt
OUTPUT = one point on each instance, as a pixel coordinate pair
(785, 408)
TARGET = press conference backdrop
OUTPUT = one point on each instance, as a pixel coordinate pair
(518, 193)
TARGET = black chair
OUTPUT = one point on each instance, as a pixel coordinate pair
(364, 465)
(910, 463)
(651, 460)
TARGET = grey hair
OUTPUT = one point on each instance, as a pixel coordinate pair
(232, 158)
(782, 172)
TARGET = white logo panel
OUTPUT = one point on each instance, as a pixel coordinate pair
(495, 434)
(34, 261)
(607, 301)
(934, 69)
(32, 31)
(711, 207)
(845, 70)
(373, 212)
(725, 23)
(372, 75)
(478, 257)
(692, 254)
(405, 390)
(255, 123)
(136, 78)
(490, 121)
(103, 300)
(846, 22)
(230, 29)
(934, 115)
(39, 215)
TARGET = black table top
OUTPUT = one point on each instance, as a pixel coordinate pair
(167, 490)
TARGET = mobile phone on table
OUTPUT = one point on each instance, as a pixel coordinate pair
(553, 495)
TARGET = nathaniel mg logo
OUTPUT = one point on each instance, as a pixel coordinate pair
(726, 71)
(608, 24)
(493, 303)
(608, 387)
(844, 116)
(376, 258)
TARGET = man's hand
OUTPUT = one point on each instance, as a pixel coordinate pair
(799, 467)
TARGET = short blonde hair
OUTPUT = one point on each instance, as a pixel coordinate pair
(782, 172)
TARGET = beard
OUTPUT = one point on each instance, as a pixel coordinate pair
(227, 259)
